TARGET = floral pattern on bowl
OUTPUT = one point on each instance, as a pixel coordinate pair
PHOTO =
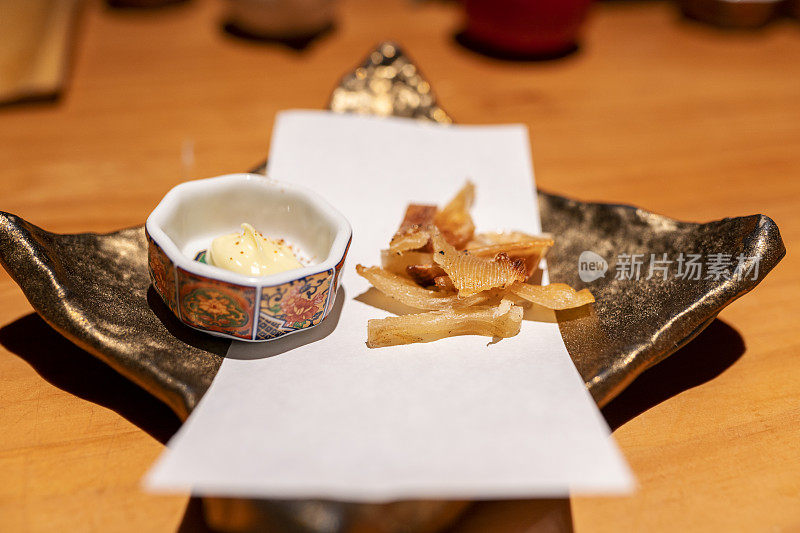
(215, 305)
(228, 304)
(162, 273)
(292, 306)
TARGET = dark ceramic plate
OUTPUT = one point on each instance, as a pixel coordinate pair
(95, 290)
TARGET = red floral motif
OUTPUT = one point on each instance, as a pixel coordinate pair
(159, 270)
(297, 309)
(209, 306)
(216, 305)
(162, 274)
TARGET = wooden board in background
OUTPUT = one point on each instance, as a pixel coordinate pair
(35, 41)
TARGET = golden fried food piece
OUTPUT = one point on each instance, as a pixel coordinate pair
(414, 238)
(398, 262)
(502, 321)
(515, 244)
(414, 232)
(425, 275)
(471, 274)
(469, 284)
(454, 221)
(557, 296)
(406, 291)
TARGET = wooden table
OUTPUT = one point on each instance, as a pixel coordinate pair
(676, 117)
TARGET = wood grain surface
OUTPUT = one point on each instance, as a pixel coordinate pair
(673, 116)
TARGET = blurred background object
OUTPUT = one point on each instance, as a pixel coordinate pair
(35, 47)
(284, 20)
(732, 13)
(142, 3)
(524, 27)
(794, 8)
(387, 84)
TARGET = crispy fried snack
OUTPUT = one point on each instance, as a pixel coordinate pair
(468, 283)
(502, 321)
(471, 274)
(557, 296)
(418, 215)
(516, 245)
(454, 221)
(414, 232)
(398, 262)
(406, 291)
(425, 275)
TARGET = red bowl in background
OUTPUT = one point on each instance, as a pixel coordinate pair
(525, 27)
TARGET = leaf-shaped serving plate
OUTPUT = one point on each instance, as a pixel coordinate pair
(95, 290)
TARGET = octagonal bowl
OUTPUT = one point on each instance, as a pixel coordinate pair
(233, 305)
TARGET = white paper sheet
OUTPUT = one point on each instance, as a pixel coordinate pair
(319, 414)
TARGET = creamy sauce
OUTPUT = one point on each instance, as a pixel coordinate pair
(251, 254)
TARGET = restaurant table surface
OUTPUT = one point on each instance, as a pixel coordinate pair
(679, 118)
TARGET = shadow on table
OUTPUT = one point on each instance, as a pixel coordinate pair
(297, 44)
(513, 516)
(707, 356)
(704, 358)
(193, 520)
(76, 371)
(472, 45)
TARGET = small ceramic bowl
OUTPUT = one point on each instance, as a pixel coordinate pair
(228, 304)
